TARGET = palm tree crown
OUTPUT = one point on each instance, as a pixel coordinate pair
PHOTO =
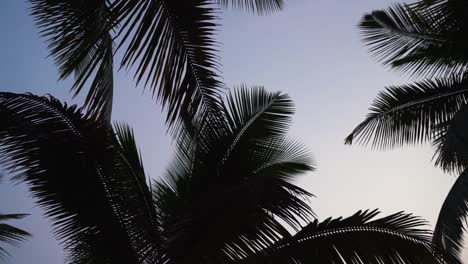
(425, 39)
(228, 197)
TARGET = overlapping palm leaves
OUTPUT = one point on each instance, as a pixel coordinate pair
(9, 234)
(426, 39)
(228, 197)
(168, 44)
(73, 166)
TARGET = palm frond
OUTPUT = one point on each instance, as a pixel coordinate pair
(450, 13)
(255, 6)
(129, 149)
(249, 109)
(230, 188)
(10, 234)
(449, 230)
(409, 114)
(397, 238)
(4, 217)
(256, 114)
(171, 43)
(79, 37)
(415, 40)
(451, 143)
(74, 169)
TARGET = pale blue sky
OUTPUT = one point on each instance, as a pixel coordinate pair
(312, 51)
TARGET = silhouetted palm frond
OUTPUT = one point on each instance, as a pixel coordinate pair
(168, 44)
(449, 230)
(232, 183)
(129, 150)
(228, 197)
(79, 37)
(171, 44)
(420, 39)
(10, 234)
(73, 166)
(257, 6)
(397, 238)
(410, 114)
(427, 37)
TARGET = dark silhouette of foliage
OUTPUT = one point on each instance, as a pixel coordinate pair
(343, 241)
(426, 39)
(78, 173)
(10, 234)
(168, 44)
(228, 196)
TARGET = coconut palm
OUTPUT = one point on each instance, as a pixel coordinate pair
(10, 234)
(425, 39)
(168, 44)
(229, 196)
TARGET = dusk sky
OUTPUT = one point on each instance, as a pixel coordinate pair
(312, 51)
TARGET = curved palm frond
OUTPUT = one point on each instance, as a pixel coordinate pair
(409, 114)
(360, 238)
(129, 149)
(257, 113)
(10, 234)
(74, 169)
(79, 38)
(417, 39)
(449, 230)
(171, 44)
(256, 6)
(229, 189)
(170, 41)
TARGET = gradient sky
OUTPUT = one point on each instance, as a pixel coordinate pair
(311, 51)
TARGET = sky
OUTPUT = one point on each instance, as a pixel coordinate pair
(312, 51)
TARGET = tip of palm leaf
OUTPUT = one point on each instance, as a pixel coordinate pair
(349, 140)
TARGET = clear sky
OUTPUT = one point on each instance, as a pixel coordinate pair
(311, 51)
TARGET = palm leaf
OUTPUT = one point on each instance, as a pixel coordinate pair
(129, 149)
(10, 234)
(74, 170)
(79, 37)
(257, 113)
(171, 43)
(256, 6)
(230, 188)
(448, 233)
(416, 39)
(410, 114)
(361, 238)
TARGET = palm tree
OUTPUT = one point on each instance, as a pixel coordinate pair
(169, 44)
(425, 39)
(228, 196)
(10, 234)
